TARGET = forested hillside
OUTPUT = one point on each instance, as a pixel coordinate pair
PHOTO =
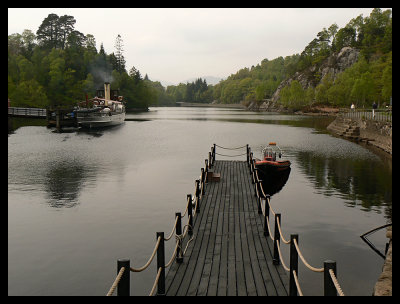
(368, 79)
(57, 65)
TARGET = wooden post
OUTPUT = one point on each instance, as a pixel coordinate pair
(161, 264)
(123, 287)
(329, 287)
(178, 231)
(214, 154)
(277, 238)
(203, 182)
(190, 213)
(260, 197)
(294, 264)
(266, 216)
(197, 195)
(247, 153)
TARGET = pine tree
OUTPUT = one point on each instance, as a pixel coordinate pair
(118, 54)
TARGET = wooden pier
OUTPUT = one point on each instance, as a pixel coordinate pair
(227, 247)
(230, 254)
(56, 116)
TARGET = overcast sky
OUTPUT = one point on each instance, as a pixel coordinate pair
(172, 45)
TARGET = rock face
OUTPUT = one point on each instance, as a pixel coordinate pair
(311, 77)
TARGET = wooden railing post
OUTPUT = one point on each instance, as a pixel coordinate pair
(190, 213)
(197, 195)
(161, 264)
(178, 232)
(294, 264)
(260, 196)
(123, 287)
(214, 154)
(329, 287)
(266, 215)
(277, 237)
(203, 181)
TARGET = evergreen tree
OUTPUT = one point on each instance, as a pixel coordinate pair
(120, 60)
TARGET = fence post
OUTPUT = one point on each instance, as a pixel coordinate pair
(329, 287)
(266, 215)
(294, 264)
(260, 197)
(161, 263)
(178, 232)
(203, 182)
(214, 154)
(277, 238)
(247, 153)
(123, 287)
(197, 194)
(190, 213)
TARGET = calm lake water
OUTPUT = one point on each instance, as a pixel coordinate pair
(79, 201)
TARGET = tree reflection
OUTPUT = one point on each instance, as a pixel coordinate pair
(63, 184)
(363, 183)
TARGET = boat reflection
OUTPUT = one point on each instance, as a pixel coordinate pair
(274, 180)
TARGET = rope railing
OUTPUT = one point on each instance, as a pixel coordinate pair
(331, 284)
(121, 282)
(192, 209)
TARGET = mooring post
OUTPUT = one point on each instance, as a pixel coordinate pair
(161, 264)
(178, 232)
(214, 154)
(209, 160)
(206, 162)
(260, 197)
(190, 213)
(197, 194)
(203, 182)
(294, 264)
(277, 238)
(329, 287)
(123, 287)
(266, 215)
(247, 153)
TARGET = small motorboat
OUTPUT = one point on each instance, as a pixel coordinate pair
(272, 170)
(270, 161)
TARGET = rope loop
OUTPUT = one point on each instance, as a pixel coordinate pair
(230, 148)
(150, 259)
(304, 261)
(336, 283)
(116, 281)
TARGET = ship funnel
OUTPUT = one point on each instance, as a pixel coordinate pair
(107, 91)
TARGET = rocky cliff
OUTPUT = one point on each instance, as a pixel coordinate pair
(312, 76)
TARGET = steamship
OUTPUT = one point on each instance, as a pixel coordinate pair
(106, 109)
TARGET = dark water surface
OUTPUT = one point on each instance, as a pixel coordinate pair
(79, 201)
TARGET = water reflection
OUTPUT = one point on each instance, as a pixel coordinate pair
(63, 184)
(273, 181)
(358, 183)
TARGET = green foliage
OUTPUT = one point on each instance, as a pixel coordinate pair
(59, 65)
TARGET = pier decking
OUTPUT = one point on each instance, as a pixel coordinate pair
(229, 254)
(227, 247)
